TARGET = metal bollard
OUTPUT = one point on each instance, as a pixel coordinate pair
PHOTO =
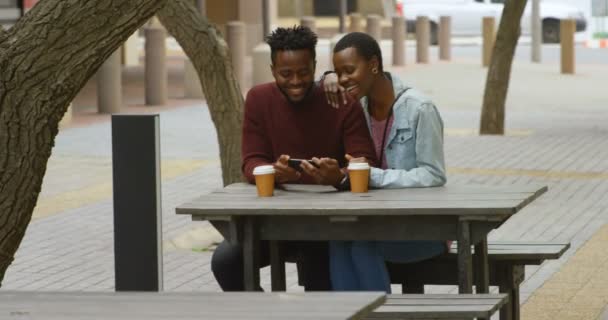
(489, 36)
(235, 36)
(355, 22)
(423, 39)
(138, 257)
(399, 31)
(109, 85)
(567, 28)
(536, 26)
(155, 66)
(343, 9)
(309, 22)
(373, 27)
(445, 38)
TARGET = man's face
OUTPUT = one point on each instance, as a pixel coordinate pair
(294, 73)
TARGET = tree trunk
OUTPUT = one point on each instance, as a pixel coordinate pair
(50, 54)
(499, 71)
(209, 54)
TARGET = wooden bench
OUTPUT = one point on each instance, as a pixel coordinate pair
(506, 269)
(439, 306)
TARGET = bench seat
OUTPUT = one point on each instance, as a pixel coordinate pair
(507, 261)
(439, 306)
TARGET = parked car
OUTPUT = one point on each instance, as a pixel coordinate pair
(468, 14)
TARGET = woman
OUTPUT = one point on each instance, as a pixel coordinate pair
(408, 135)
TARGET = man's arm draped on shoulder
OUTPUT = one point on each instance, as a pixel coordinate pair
(256, 145)
(357, 139)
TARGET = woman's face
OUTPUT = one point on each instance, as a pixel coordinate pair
(354, 72)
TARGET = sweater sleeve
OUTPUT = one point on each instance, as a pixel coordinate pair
(256, 148)
(430, 166)
(357, 139)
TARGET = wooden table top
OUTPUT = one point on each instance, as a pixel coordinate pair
(200, 306)
(482, 201)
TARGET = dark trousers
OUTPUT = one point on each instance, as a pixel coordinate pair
(312, 258)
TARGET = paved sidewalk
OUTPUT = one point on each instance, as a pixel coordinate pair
(556, 135)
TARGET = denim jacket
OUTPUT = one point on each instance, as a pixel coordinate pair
(414, 148)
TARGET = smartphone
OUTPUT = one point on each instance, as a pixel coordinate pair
(295, 163)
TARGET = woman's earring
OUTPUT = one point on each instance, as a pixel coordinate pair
(375, 70)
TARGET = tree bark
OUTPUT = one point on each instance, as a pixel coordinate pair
(52, 52)
(209, 54)
(499, 71)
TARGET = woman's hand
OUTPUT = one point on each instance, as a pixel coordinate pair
(350, 159)
(334, 92)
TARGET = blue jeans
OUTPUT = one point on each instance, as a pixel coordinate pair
(360, 265)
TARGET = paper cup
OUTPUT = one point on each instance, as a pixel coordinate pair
(358, 172)
(264, 180)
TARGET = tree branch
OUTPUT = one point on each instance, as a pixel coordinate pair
(209, 54)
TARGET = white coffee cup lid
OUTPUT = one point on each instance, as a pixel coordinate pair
(266, 169)
(358, 166)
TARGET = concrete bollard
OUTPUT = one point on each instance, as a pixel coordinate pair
(67, 117)
(309, 22)
(109, 85)
(489, 35)
(373, 27)
(567, 28)
(235, 37)
(130, 52)
(423, 39)
(399, 31)
(445, 38)
(261, 65)
(155, 66)
(192, 83)
(332, 45)
(355, 22)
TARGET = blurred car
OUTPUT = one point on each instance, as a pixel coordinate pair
(468, 14)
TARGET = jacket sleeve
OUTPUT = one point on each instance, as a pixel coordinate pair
(430, 164)
(357, 139)
(256, 147)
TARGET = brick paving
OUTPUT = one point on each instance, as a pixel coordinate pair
(556, 135)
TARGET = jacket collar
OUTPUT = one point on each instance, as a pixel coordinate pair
(400, 120)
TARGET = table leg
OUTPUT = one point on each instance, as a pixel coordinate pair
(251, 255)
(482, 275)
(465, 265)
(277, 267)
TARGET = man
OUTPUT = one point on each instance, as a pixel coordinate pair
(291, 118)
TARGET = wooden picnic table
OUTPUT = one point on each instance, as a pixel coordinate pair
(186, 306)
(308, 212)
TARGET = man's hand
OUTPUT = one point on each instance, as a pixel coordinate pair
(334, 92)
(327, 173)
(283, 172)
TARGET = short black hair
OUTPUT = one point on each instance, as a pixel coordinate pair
(294, 38)
(365, 45)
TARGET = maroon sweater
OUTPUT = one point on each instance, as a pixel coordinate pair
(272, 127)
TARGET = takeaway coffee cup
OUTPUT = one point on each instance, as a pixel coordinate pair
(264, 180)
(358, 172)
